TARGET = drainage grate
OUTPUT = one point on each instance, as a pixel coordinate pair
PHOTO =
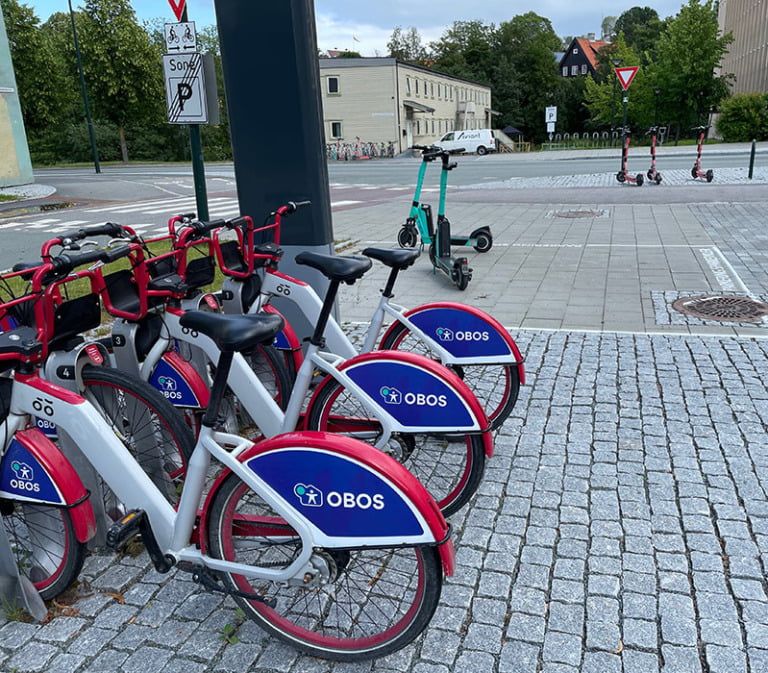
(576, 214)
(722, 308)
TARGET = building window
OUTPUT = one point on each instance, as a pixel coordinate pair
(432, 89)
(583, 68)
(333, 85)
(408, 85)
(417, 86)
(574, 70)
(565, 71)
(575, 50)
(336, 130)
(418, 127)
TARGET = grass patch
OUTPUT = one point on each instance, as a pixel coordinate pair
(8, 197)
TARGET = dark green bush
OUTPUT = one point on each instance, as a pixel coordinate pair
(744, 117)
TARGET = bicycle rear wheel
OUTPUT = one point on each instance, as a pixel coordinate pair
(150, 427)
(42, 539)
(495, 385)
(450, 466)
(354, 604)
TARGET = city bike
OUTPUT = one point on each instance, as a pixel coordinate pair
(463, 338)
(269, 532)
(403, 403)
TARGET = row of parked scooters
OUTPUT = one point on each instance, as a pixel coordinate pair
(653, 175)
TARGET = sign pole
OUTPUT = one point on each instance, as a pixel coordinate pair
(198, 166)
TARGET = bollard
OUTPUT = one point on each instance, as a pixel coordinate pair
(752, 158)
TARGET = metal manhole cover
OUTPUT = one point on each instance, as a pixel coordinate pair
(722, 308)
(575, 214)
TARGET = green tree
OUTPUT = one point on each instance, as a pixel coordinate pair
(524, 86)
(122, 67)
(744, 117)
(686, 57)
(604, 95)
(642, 28)
(466, 50)
(406, 46)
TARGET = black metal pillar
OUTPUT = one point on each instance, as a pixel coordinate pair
(272, 81)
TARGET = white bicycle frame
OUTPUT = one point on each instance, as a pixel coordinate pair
(258, 402)
(173, 528)
(276, 284)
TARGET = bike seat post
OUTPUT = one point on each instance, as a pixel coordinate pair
(387, 291)
(317, 338)
(223, 367)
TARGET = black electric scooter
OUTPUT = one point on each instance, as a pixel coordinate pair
(456, 268)
(623, 175)
(696, 171)
(419, 224)
(653, 174)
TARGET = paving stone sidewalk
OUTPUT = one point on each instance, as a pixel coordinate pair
(621, 526)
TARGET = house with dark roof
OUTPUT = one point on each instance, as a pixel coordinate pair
(581, 56)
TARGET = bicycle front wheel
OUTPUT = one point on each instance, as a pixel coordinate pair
(354, 604)
(495, 385)
(150, 427)
(449, 466)
(42, 538)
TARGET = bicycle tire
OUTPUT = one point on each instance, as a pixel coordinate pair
(495, 385)
(449, 466)
(150, 427)
(371, 603)
(42, 538)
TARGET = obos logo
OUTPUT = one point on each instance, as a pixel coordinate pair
(445, 334)
(394, 396)
(168, 388)
(24, 476)
(311, 496)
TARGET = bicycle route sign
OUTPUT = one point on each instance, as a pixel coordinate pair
(180, 38)
(185, 88)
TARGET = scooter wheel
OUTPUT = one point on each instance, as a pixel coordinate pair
(639, 179)
(462, 278)
(406, 238)
(657, 178)
(710, 175)
(650, 174)
(484, 241)
(694, 173)
(621, 177)
(433, 255)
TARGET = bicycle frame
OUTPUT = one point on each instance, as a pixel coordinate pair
(433, 323)
(461, 412)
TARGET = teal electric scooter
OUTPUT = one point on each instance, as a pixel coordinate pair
(420, 223)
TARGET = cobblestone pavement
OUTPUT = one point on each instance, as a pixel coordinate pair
(621, 527)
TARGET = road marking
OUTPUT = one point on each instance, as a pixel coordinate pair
(724, 273)
(337, 204)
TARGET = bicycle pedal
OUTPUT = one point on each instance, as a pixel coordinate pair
(125, 529)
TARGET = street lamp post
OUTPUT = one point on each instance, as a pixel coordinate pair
(656, 94)
(89, 121)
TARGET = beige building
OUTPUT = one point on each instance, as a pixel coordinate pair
(383, 100)
(748, 54)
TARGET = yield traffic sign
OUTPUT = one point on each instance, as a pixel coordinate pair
(626, 75)
(178, 7)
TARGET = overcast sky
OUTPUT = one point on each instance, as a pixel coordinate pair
(366, 26)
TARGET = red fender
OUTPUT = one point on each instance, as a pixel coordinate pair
(69, 490)
(436, 369)
(294, 351)
(492, 322)
(359, 452)
(190, 375)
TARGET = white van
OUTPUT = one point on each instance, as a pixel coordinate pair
(475, 140)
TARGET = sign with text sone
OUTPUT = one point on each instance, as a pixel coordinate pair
(185, 88)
